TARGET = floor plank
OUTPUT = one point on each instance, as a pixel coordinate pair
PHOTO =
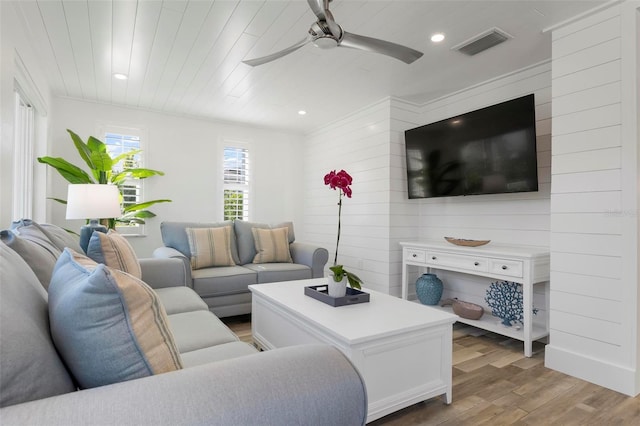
(494, 384)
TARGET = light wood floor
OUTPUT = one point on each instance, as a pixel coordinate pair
(493, 383)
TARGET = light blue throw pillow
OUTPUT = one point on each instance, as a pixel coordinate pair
(107, 325)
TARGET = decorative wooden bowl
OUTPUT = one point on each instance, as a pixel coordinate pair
(467, 310)
(464, 309)
(466, 243)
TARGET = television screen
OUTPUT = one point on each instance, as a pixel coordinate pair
(488, 151)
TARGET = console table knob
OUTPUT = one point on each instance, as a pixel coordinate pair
(504, 267)
(414, 255)
(433, 258)
(476, 263)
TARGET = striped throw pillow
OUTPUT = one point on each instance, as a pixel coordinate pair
(114, 250)
(210, 247)
(108, 325)
(272, 245)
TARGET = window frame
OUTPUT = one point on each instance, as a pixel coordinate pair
(141, 133)
(24, 136)
(236, 144)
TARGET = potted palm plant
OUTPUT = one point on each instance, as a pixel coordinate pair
(96, 156)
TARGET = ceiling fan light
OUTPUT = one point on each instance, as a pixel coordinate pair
(325, 43)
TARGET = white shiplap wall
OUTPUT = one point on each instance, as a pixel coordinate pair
(360, 145)
(521, 218)
(404, 214)
(504, 218)
(370, 145)
(594, 200)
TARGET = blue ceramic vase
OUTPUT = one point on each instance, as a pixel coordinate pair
(429, 289)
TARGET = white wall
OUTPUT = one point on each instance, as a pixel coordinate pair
(360, 145)
(19, 64)
(521, 218)
(189, 152)
(370, 145)
(594, 200)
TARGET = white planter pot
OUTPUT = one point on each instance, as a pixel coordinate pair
(337, 289)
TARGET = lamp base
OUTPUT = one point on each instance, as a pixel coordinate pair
(87, 230)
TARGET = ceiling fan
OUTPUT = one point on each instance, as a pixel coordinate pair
(326, 34)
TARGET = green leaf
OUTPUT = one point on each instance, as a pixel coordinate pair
(96, 145)
(59, 200)
(83, 149)
(124, 155)
(142, 206)
(70, 172)
(102, 161)
(146, 214)
(354, 280)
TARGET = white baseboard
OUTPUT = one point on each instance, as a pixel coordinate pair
(616, 377)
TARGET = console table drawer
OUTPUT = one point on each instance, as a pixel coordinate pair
(512, 268)
(416, 255)
(469, 263)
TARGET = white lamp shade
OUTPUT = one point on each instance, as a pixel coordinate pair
(93, 201)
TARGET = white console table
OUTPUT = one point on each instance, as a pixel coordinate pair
(521, 264)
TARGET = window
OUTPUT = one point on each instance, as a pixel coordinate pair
(23, 158)
(236, 183)
(119, 143)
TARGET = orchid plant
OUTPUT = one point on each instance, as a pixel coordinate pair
(342, 182)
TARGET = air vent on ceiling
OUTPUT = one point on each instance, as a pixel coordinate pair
(482, 41)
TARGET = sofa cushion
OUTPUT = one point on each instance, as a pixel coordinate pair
(30, 367)
(114, 250)
(180, 299)
(246, 243)
(108, 325)
(210, 247)
(199, 329)
(217, 353)
(40, 259)
(275, 272)
(272, 245)
(174, 235)
(31, 231)
(223, 280)
(61, 237)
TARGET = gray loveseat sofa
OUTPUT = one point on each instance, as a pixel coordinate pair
(225, 288)
(222, 381)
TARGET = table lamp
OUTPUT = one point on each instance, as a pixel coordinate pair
(93, 202)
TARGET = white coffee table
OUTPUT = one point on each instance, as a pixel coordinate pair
(401, 348)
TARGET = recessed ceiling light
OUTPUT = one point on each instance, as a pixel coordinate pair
(302, 112)
(437, 37)
(119, 76)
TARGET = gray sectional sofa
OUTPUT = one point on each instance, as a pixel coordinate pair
(222, 381)
(225, 288)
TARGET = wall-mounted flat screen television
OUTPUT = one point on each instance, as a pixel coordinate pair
(488, 151)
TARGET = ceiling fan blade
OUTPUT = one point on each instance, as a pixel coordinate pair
(318, 8)
(402, 53)
(280, 54)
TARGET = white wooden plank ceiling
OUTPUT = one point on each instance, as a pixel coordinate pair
(184, 56)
